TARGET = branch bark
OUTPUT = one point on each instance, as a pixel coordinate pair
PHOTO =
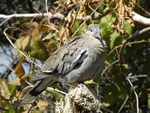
(53, 16)
(81, 99)
(140, 19)
(136, 17)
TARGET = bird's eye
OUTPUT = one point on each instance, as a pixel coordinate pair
(91, 30)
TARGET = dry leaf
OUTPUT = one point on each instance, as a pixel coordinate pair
(19, 69)
(4, 89)
(64, 35)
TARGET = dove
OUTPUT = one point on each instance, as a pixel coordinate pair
(80, 59)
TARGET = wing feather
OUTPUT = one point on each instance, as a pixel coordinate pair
(66, 58)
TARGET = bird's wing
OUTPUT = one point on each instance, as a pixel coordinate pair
(65, 59)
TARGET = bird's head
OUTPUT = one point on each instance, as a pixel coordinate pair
(94, 30)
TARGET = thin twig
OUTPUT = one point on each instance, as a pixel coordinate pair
(123, 104)
(18, 49)
(135, 35)
(50, 16)
(136, 17)
(136, 96)
(30, 85)
(50, 88)
(143, 9)
(137, 76)
(8, 17)
(85, 21)
(29, 109)
(109, 67)
(129, 43)
(46, 6)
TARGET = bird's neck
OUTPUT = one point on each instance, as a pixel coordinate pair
(97, 45)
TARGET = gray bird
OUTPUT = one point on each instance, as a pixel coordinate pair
(80, 59)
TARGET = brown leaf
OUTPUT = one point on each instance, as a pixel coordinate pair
(19, 69)
(64, 35)
(4, 89)
(52, 46)
(71, 18)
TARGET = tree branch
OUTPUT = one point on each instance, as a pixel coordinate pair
(140, 19)
(135, 35)
(53, 16)
(136, 96)
(136, 17)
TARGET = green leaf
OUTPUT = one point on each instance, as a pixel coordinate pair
(35, 34)
(126, 66)
(81, 30)
(127, 27)
(105, 25)
(112, 4)
(117, 86)
(12, 89)
(113, 38)
(38, 50)
(148, 101)
(9, 109)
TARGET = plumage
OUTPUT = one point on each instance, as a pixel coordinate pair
(80, 59)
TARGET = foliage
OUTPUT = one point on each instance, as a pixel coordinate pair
(38, 38)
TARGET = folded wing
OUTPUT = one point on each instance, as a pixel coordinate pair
(63, 60)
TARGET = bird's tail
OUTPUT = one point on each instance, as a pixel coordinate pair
(32, 94)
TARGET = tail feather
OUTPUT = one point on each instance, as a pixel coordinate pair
(37, 89)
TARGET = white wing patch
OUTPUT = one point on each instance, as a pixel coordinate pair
(79, 59)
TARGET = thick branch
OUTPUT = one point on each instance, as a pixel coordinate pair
(25, 15)
(136, 17)
(53, 16)
(140, 19)
(135, 35)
